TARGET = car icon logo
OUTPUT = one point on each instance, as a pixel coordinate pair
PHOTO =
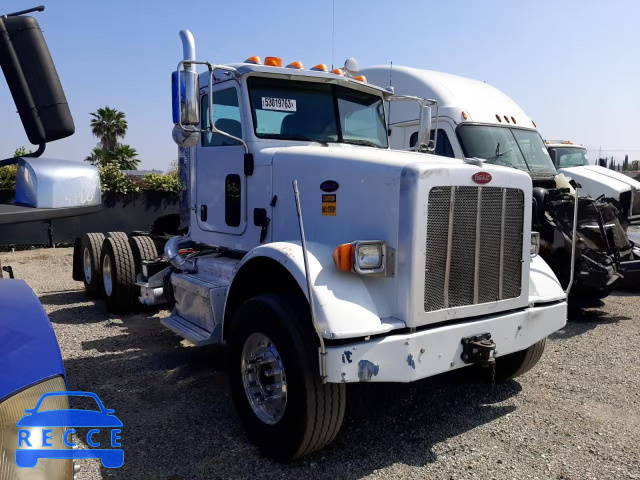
(35, 433)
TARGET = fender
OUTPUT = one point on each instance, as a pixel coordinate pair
(544, 286)
(345, 307)
(30, 351)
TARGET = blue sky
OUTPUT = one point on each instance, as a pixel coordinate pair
(573, 65)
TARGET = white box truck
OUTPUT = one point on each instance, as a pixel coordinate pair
(477, 120)
(321, 257)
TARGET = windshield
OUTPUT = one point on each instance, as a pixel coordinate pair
(510, 147)
(569, 156)
(319, 112)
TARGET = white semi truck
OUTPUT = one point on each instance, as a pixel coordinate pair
(571, 159)
(477, 120)
(321, 257)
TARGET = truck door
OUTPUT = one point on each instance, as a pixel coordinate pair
(220, 180)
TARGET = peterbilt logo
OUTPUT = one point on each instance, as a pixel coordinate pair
(481, 177)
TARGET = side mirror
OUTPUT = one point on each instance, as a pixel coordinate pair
(33, 80)
(424, 133)
(185, 97)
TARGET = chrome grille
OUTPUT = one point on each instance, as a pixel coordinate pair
(474, 246)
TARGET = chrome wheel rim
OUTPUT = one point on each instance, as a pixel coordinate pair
(106, 275)
(86, 262)
(264, 379)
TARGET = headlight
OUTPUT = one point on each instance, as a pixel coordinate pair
(535, 244)
(12, 410)
(366, 257)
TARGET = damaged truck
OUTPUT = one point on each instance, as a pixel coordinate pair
(320, 256)
(476, 120)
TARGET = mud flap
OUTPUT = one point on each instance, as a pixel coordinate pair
(77, 271)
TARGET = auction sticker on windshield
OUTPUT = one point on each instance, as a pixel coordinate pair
(281, 104)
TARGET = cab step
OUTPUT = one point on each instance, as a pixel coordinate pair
(196, 335)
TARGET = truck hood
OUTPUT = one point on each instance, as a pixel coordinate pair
(29, 351)
(611, 181)
(359, 154)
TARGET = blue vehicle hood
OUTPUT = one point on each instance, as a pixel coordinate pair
(29, 351)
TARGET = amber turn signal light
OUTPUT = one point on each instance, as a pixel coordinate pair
(343, 257)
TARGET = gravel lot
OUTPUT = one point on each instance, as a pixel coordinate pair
(575, 416)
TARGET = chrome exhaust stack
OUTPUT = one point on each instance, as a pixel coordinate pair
(188, 47)
(172, 252)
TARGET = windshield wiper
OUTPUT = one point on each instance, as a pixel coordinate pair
(366, 143)
(501, 154)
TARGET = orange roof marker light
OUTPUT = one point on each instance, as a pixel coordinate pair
(321, 67)
(361, 78)
(498, 117)
(465, 116)
(534, 124)
(337, 71)
(297, 65)
(513, 120)
(273, 62)
(255, 60)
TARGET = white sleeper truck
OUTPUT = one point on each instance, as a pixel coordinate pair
(321, 257)
(475, 119)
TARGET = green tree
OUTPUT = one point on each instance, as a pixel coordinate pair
(108, 124)
(98, 157)
(126, 157)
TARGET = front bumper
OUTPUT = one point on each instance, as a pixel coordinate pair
(422, 354)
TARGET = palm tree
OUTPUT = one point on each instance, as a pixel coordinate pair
(98, 157)
(126, 156)
(108, 124)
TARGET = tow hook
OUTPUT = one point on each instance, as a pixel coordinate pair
(478, 350)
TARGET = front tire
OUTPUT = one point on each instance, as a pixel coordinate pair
(518, 363)
(119, 288)
(273, 335)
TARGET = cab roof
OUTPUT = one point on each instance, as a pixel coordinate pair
(563, 143)
(455, 94)
(299, 74)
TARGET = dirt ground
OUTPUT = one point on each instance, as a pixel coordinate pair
(575, 416)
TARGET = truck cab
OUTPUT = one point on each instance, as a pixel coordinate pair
(571, 159)
(322, 257)
(476, 120)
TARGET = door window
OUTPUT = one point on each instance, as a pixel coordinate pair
(226, 118)
(443, 146)
(233, 200)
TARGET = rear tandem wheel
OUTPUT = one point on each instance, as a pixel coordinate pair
(119, 288)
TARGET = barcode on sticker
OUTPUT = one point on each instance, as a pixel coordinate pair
(282, 104)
